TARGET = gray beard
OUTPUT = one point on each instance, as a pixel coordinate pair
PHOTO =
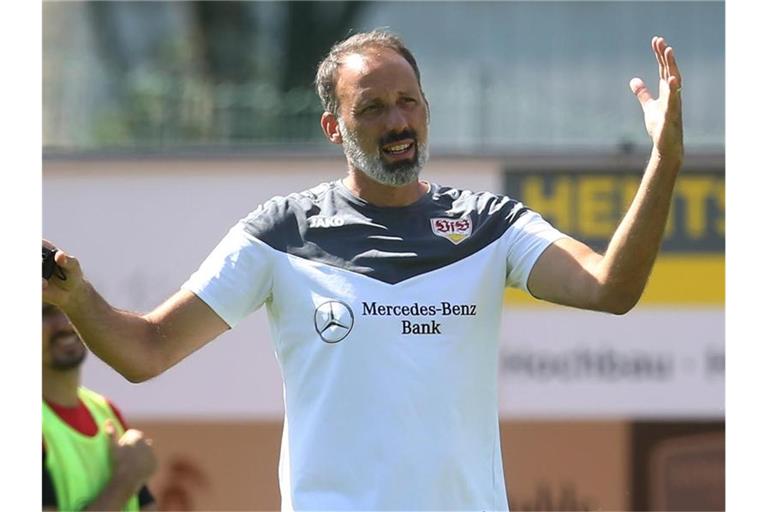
(373, 165)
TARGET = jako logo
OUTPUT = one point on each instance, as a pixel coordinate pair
(325, 222)
(455, 230)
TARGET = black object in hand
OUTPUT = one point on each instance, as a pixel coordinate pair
(50, 266)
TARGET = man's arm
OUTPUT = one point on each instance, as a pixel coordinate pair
(138, 346)
(146, 500)
(570, 273)
(133, 462)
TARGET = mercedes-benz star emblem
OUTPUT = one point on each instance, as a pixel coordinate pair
(333, 321)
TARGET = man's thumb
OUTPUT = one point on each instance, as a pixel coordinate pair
(63, 259)
(640, 90)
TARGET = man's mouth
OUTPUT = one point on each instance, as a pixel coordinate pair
(66, 340)
(400, 148)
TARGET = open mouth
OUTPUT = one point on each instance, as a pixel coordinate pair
(400, 148)
(66, 341)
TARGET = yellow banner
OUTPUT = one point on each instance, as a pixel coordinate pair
(589, 206)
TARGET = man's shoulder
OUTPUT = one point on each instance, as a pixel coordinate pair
(481, 204)
(103, 401)
(84, 392)
(296, 201)
(287, 215)
(460, 194)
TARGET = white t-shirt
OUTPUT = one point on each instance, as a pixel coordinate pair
(385, 324)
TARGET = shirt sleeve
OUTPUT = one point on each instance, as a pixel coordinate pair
(527, 238)
(236, 278)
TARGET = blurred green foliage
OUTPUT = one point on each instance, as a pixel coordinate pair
(195, 73)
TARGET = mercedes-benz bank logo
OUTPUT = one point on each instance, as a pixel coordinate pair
(333, 321)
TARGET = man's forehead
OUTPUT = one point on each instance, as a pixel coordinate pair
(355, 63)
(361, 70)
(366, 59)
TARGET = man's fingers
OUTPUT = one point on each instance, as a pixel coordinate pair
(640, 90)
(673, 94)
(674, 71)
(66, 261)
(674, 84)
(655, 42)
(109, 428)
(61, 259)
(131, 436)
(663, 46)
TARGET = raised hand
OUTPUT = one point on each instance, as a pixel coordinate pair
(59, 291)
(663, 115)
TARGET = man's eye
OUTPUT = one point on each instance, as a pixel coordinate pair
(370, 109)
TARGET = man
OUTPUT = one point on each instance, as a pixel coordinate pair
(384, 294)
(90, 460)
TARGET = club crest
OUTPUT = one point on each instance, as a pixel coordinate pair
(455, 230)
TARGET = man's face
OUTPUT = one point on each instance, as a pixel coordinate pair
(62, 347)
(383, 116)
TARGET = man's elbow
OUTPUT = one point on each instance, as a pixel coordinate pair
(141, 374)
(621, 308)
(136, 377)
(619, 301)
(149, 360)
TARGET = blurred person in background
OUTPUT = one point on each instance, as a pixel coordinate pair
(384, 293)
(91, 460)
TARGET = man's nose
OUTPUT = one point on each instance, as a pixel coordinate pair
(397, 121)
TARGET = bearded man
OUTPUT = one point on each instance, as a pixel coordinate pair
(91, 460)
(385, 292)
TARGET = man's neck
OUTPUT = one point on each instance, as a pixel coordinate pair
(384, 195)
(60, 387)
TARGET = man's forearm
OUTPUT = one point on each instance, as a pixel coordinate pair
(633, 248)
(126, 341)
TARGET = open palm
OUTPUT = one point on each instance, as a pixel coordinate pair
(663, 115)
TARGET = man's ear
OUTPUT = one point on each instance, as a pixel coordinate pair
(330, 127)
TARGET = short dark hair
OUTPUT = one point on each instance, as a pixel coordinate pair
(327, 71)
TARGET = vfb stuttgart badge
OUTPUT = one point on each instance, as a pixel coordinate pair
(455, 230)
